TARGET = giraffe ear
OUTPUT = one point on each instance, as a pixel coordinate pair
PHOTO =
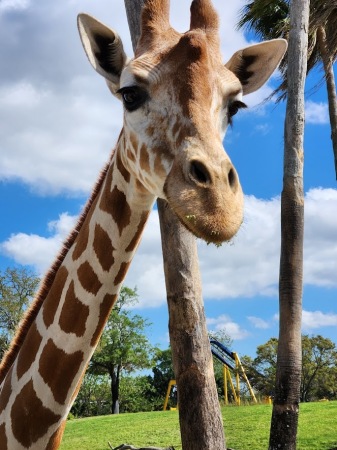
(253, 65)
(103, 48)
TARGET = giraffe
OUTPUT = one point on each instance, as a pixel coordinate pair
(179, 98)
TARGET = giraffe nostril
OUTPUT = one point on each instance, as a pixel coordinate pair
(232, 179)
(199, 173)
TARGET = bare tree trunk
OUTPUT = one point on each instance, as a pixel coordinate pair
(284, 420)
(331, 88)
(199, 411)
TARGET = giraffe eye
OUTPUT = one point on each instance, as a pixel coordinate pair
(233, 108)
(133, 97)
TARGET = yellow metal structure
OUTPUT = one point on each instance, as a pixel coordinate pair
(171, 384)
(239, 373)
(227, 376)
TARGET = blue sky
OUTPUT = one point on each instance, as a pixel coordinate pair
(58, 125)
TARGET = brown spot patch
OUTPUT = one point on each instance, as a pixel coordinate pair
(81, 242)
(130, 155)
(183, 132)
(150, 130)
(74, 313)
(6, 391)
(88, 278)
(122, 169)
(58, 369)
(134, 141)
(53, 298)
(103, 248)
(144, 159)
(158, 164)
(3, 437)
(121, 273)
(28, 350)
(115, 203)
(104, 311)
(139, 232)
(30, 419)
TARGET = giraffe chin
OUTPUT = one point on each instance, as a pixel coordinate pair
(210, 233)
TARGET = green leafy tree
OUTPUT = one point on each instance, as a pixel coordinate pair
(94, 396)
(133, 394)
(326, 384)
(319, 356)
(123, 347)
(261, 371)
(17, 288)
(319, 363)
(162, 373)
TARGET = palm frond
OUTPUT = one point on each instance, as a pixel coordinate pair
(269, 19)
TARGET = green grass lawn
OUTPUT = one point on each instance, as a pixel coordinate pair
(246, 427)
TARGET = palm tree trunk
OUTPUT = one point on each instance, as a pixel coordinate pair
(199, 411)
(331, 88)
(284, 420)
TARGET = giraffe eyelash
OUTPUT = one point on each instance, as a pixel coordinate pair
(233, 108)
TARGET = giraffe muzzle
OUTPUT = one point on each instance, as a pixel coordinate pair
(206, 196)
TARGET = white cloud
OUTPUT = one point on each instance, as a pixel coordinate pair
(320, 249)
(21, 95)
(48, 140)
(225, 323)
(317, 319)
(316, 113)
(247, 267)
(257, 322)
(263, 128)
(250, 263)
(8, 5)
(314, 319)
(146, 270)
(39, 251)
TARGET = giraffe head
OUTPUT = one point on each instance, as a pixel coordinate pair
(179, 98)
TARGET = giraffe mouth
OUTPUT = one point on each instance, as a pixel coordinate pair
(205, 217)
(210, 233)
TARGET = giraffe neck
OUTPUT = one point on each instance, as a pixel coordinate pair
(42, 383)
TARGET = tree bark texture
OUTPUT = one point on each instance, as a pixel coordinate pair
(284, 420)
(331, 88)
(199, 411)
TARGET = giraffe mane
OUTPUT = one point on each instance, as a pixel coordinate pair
(33, 310)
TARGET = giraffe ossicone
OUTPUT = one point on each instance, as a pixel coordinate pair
(179, 98)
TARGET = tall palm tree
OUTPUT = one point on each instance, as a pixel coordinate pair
(270, 19)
